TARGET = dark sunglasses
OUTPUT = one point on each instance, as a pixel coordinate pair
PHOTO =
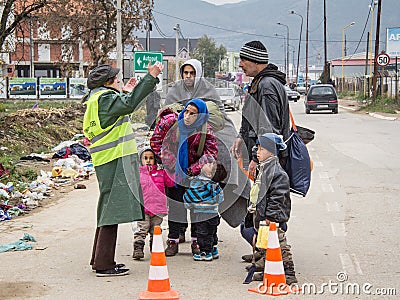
(189, 72)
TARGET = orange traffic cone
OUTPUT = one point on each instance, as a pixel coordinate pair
(274, 282)
(158, 287)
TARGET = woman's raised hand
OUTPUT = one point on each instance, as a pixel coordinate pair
(130, 85)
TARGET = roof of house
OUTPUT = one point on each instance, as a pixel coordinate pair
(167, 45)
(357, 59)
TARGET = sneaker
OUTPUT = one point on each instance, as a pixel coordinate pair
(172, 248)
(112, 272)
(215, 253)
(195, 248)
(203, 256)
(208, 256)
(117, 266)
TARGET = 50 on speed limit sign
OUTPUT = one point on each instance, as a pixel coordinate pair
(382, 59)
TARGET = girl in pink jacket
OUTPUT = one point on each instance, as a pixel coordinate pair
(153, 179)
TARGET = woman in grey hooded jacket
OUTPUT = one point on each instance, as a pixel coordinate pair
(237, 186)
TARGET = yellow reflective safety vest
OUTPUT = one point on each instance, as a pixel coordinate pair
(112, 142)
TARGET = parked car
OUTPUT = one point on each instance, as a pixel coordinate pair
(301, 88)
(292, 95)
(321, 97)
(229, 97)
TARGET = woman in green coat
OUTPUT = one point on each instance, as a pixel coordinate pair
(114, 155)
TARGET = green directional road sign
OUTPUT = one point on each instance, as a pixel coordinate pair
(142, 59)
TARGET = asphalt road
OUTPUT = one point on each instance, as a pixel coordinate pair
(346, 227)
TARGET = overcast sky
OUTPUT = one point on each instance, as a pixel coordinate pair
(219, 2)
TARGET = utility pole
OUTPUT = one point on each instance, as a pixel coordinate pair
(31, 49)
(343, 51)
(378, 24)
(308, 12)
(148, 31)
(372, 10)
(326, 67)
(298, 51)
(176, 28)
(119, 40)
(284, 48)
(287, 50)
(366, 69)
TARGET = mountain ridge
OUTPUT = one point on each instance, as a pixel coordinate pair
(232, 25)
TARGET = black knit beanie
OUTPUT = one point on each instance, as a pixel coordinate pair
(254, 51)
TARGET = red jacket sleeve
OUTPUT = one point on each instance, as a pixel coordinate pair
(210, 148)
(160, 131)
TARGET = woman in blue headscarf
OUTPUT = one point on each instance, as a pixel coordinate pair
(176, 140)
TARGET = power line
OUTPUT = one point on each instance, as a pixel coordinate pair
(158, 27)
(362, 35)
(212, 26)
(230, 30)
(242, 32)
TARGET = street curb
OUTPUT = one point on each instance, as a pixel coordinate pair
(374, 115)
(346, 107)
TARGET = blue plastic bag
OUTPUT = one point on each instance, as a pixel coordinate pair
(298, 166)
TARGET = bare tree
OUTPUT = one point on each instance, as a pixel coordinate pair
(13, 14)
(94, 23)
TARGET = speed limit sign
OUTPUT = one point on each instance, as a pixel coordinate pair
(382, 59)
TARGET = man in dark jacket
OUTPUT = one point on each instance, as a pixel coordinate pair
(265, 111)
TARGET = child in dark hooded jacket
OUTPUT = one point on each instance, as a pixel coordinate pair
(270, 198)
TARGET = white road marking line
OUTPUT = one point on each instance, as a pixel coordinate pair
(338, 229)
(356, 264)
(327, 188)
(332, 207)
(324, 175)
(350, 264)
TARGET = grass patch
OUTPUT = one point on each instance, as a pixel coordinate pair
(24, 130)
(384, 105)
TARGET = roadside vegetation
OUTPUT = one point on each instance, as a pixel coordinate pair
(383, 104)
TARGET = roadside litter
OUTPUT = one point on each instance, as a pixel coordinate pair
(71, 164)
(20, 245)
